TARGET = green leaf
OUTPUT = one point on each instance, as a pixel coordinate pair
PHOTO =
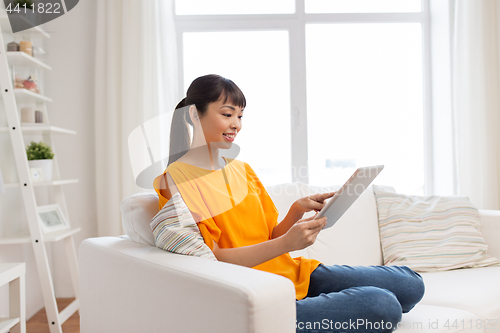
(39, 151)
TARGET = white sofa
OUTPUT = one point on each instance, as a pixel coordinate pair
(128, 285)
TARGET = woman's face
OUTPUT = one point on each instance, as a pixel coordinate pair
(221, 123)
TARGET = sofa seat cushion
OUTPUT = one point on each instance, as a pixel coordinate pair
(354, 239)
(476, 290)
(438, 319)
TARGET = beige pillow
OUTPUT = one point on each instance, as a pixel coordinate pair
(430, 233)
(175, 230)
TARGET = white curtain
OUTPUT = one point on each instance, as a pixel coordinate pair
(136, 61)
(476, 100)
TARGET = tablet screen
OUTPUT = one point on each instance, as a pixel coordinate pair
(348, 194)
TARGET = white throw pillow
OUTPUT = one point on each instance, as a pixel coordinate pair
(430, 233)
(175, 230)
(137, 212)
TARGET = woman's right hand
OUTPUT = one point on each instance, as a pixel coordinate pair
(303, 233)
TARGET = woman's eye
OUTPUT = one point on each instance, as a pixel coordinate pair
(240, 117)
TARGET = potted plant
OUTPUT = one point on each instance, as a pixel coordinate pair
(40, 156)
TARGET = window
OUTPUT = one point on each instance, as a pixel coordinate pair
(370, 110)
(231, 7)
(362, 6)
(330, 86)
(266, 90)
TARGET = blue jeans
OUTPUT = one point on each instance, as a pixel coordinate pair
(345, 298)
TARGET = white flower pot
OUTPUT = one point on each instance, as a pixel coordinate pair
(45, 165)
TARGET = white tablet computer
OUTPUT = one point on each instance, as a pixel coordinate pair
(348, 193)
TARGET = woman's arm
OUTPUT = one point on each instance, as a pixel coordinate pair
(294, 214)
(301, 234)
(252, 255)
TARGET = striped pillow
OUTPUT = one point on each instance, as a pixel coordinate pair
(175, 230)
(431, 233)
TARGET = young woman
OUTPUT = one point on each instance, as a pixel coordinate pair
(239, 221)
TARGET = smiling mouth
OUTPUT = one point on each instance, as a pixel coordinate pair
(229, 137)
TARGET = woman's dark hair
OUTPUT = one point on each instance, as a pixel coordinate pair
(202, 91)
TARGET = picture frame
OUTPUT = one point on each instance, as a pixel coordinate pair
(51, 218)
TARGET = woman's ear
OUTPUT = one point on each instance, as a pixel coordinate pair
(193, 113)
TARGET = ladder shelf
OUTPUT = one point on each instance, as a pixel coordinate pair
(26, 96)
(40, 129)
(11, 98)
(25, 238)
(18, 58)
(7, 323)
(45, 183)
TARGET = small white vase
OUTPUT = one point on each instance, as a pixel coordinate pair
(45, 165)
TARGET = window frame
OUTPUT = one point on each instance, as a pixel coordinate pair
(295, 24)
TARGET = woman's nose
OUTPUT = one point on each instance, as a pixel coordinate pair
(236, 125)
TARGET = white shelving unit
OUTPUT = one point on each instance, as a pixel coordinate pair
(14, 275)
(37, 129)
(22, 59)
(46, 183)
(26, 96)
(10, 98)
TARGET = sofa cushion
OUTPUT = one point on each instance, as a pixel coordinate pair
(354, 239)
(476, 290)
(137, 212)
(438, 319)
(429, 233)
(175, 230)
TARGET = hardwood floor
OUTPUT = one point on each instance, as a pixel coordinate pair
(38, 323)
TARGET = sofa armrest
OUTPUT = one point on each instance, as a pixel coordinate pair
(490, 228)
(131, 287)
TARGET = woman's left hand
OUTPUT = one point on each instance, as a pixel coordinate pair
(314, 202)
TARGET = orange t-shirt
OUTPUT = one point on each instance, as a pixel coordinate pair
(232, 207)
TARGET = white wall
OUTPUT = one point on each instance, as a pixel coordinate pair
(70, 84)
(71, 50)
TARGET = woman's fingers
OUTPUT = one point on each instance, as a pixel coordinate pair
(317, 205)
(317, 223)
(317, 229)
(326, 195)
(320, 197)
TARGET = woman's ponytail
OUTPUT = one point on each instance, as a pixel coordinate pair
(181, 104)
(180, 133)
